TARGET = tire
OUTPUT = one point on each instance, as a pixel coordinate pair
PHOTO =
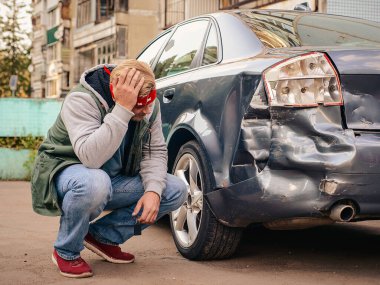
(196, 232)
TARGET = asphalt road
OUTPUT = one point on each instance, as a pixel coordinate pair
(336, 254)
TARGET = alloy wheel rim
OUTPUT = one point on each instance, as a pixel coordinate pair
(187, 219)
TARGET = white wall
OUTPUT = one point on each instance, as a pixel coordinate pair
(290, 4)
(365, 9)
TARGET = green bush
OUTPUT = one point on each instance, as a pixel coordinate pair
(29, 142)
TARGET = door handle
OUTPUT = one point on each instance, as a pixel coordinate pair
(168, 95)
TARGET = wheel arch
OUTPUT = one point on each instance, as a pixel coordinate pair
(181, 135)
(177, 139)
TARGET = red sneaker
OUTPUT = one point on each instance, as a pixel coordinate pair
(77, 268)
(111, 253)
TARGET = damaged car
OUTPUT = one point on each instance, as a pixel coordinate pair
(271, 117)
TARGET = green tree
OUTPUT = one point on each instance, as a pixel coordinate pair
(14, 47)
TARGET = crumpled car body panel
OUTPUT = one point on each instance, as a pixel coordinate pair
(279, 162)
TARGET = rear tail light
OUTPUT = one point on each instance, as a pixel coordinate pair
(302, 81)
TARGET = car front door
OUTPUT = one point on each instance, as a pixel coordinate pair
(174, 67)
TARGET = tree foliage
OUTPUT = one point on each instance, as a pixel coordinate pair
(14, 48)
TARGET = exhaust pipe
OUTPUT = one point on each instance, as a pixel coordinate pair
(342, 213)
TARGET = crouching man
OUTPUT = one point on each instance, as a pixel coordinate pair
(106, 151)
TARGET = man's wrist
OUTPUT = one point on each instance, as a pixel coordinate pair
(153, 186)
(155, 192)
(122, 113)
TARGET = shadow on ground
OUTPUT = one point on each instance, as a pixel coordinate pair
(350, 249)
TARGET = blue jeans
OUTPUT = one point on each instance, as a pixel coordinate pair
(84, 193)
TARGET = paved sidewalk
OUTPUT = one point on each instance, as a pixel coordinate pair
(26, 241)
(331, 255)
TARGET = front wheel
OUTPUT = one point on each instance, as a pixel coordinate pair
(197, 234)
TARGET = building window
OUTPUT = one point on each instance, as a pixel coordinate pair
(175, 12)
(52, 53)
(121, 41)
(66, 37)
(84, 12)
(84, 60)
(104, 9)
(232, 4)
(66, 79)
(53, 18)
(106, 52)
(51, 88)
(121, 6)
(36, 21)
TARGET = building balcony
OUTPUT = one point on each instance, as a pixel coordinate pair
(94, 32)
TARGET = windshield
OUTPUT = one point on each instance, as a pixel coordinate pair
(278, 29)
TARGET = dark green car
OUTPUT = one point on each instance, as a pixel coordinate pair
(271, 117)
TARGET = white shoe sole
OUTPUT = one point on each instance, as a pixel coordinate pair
(103, 255)
(83, 275)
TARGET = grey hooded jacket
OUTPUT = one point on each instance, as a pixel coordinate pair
(97, 138)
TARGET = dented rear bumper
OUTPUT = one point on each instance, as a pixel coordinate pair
(307, 163)
(290, 194)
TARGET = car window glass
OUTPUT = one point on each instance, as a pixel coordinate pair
(179, 52)
(150, 53)
(211, 50)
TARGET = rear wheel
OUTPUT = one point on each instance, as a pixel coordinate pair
(197, 234)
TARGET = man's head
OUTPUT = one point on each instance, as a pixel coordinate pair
(140, 110)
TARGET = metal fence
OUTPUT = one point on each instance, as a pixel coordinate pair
(365, 9)
(23, 117)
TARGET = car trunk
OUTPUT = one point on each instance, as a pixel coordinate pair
(359, 72)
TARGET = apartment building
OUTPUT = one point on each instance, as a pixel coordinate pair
(70, 36)
(179, 10)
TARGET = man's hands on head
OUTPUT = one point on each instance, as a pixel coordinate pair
(150, 203)
(126, 87)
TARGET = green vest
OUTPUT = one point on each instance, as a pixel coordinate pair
(56, 153)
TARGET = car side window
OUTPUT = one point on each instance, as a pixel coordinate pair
(181, 49)
(210, 54)
(150, 53)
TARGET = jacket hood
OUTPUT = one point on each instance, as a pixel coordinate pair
(97, 80)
